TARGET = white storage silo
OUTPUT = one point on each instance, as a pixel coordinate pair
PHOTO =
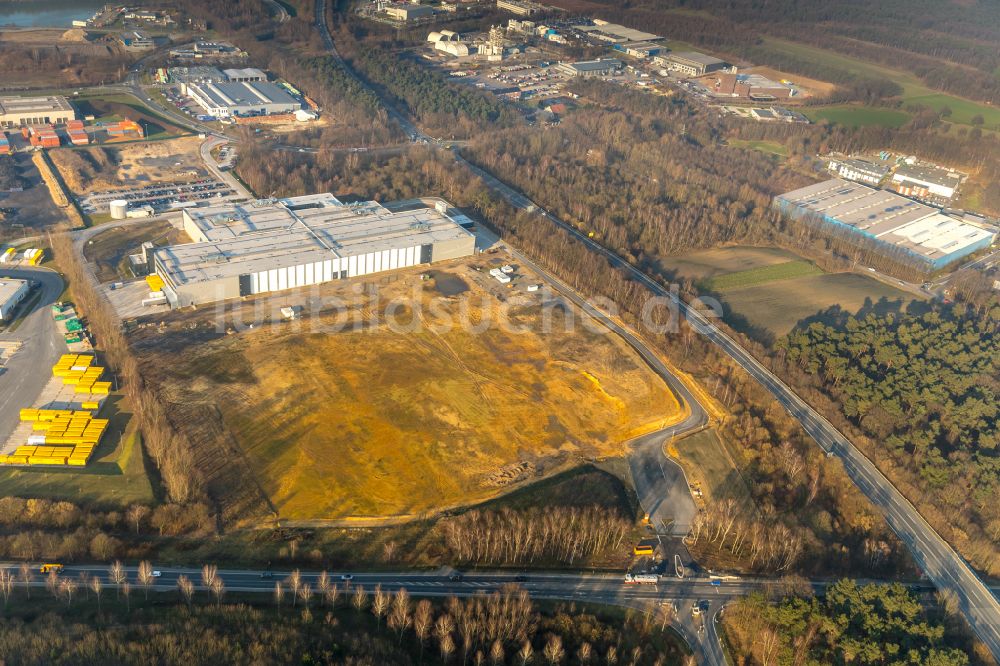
(119, 209)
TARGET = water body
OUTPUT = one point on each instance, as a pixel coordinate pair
(46, 14)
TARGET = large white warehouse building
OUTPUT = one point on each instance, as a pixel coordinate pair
(242, 250)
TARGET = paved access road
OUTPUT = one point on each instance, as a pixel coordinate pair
(27, 371)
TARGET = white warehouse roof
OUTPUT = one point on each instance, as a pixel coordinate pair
(888, 217)
(238, 239)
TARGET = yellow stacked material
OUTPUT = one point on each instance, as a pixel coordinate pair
(101, 388)
(93, 406)
(25, 451)
(17, 460)
(28, 414)
(43, 460)
(155, 282)
(41, 425)
(79, 413)
(3, 459)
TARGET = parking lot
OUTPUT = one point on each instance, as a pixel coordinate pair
(161, 196)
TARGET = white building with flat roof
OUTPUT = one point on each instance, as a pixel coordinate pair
(224, 100)
(925, 233)
(20, 111)
(12, 292)
(247, 249)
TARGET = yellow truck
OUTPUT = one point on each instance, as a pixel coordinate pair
(46, 568)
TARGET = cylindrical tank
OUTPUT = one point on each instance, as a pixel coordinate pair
(119, 209)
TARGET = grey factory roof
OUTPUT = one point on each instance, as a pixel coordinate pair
(33, 104)
(887, 216)
(621, 32)
(595, 65)
(245, 73)
(244, 94)
(694, 56)
(9, 288)
(863, 165)
(935, 175)
(246, 239)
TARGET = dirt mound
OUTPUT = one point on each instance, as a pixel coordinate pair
(75, 35)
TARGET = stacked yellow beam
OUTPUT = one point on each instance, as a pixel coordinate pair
(78, 370)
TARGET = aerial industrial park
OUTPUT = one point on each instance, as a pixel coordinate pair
(499, 331)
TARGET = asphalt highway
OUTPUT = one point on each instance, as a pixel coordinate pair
(26, 373)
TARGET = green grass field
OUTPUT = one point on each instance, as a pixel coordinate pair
(766, 147)
(707, 462)
(763, 275)
(858, 116)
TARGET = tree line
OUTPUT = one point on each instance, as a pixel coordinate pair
(567, 535)
(309, 622)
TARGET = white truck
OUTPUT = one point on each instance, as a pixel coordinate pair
(642, 579)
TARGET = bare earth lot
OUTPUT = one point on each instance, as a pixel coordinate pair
(96, 169)
(375, 423)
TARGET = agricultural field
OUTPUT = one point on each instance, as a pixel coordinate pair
(775, 308)
(369, 422)
(98, 168)
(850, 115)
(766, 292)
(708, 264)
(109, 251)
(762, 274)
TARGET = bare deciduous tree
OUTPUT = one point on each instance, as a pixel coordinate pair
(360, 599)
(447, 646)
(323, 587)
(380, 604)
(332, 594)
(116, 573)
(126, 592)
(6, 584)
(209, 573)
(186, 588)
(399, 616)
(554, 652)
(294, 582)
(145, 577)
(423, 619)
(279, 593)
(96, 587)
(67, 588)
(496, 653)
(136, 514)
(26, 576)
(218, 590)
(305, 594)
(525, 653)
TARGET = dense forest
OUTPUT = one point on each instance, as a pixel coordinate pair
(925, 388)
(867, 625)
